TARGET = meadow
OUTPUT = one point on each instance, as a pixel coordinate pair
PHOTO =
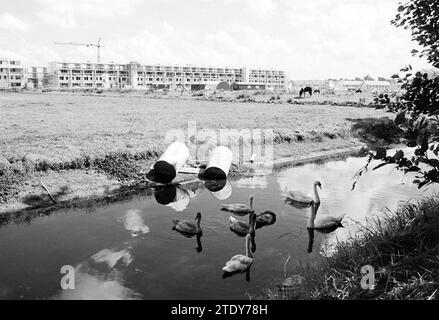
(81, 144)
(63, 127)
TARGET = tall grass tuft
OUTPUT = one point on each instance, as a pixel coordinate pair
(403, 249)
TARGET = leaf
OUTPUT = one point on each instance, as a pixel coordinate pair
(353, 185)
(398, 155)
(414, 51)
(400, 118)
(380, 153)
(380, 165)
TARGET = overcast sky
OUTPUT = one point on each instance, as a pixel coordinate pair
(310, 39)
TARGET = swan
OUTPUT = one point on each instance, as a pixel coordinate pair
(239, 208)
(240, 262)
(326, 224)
(242, 228)
(301, 200)
(188, 228)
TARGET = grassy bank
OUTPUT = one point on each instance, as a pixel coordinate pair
(403, 249)
(88, 144)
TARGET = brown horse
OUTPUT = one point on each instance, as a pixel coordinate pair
(304, 91)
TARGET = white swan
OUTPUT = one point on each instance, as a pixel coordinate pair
(326, 224)
(301, 200)
(240, 262)
(239, 208)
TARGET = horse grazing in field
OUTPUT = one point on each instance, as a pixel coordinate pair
(304, 91)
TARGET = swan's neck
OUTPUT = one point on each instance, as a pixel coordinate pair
(316, 195)
(251, 203)
(198, 224)
(312, 217)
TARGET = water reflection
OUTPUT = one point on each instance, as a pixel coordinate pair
(310, 239)
(164, 265)
(220, 189)
(111, 258)
(178, 197)
(256, 182)
(98, 278)
(174, 197)
(133, 222)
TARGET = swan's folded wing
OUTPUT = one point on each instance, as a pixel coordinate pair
(235, 207)
(327, 222)
(238, 263)
(232, 266)
(184, 226)
(299, 196)
(236, 257)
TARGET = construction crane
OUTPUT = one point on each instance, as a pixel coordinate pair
(360, 88)
(97, 45)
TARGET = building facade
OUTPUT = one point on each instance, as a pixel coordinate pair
(367, 85)
(12, 74)
(78, 75)
(343, 85)
(37, 77)
(137, 76)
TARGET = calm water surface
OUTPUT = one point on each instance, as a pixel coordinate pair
(129, 250)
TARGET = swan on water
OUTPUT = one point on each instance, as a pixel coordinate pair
(189, 228)
(301, 200)
(240, 262)
(325, 224)
(239, 208)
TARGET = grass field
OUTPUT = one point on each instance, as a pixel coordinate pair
(60, 128)
(47, 132)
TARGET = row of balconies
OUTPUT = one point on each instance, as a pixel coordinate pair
(188, 69)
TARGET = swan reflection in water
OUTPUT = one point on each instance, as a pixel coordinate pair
(190, 229)
(240, 263)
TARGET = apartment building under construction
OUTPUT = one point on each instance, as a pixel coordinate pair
(12, 74)
(137, 76)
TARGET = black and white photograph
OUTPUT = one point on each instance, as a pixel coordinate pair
(248, 151)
